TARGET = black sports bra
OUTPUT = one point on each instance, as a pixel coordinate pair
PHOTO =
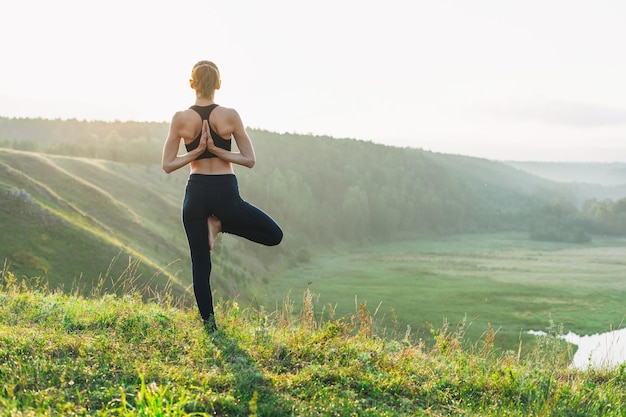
(220, 142)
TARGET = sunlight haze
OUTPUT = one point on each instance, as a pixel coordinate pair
(516, 80)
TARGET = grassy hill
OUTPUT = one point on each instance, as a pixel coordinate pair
(78, 221)
(90, 222)
(110, 355)
(75, 219)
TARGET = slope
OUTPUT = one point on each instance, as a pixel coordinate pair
(66, 223)
(68, 217)
(119, 356)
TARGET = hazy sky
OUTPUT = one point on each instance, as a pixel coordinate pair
(523, 80)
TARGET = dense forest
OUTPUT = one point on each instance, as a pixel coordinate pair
(344, 190)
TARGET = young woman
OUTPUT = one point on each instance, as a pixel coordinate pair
(212, 203)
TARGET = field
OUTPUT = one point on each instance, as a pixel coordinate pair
(500, 280)
(109, 355)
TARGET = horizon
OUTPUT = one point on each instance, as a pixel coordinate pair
(501, 81)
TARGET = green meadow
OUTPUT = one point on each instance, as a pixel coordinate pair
(501, 281)
(109, 355)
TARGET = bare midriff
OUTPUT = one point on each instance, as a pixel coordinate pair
(211, 166)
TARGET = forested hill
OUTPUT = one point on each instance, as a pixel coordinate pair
(67, 216)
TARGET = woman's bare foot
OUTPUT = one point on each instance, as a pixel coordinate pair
(215, 227)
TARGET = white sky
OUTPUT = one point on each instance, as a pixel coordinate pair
(500, 79)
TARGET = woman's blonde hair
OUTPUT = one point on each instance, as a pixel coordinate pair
(206, 78)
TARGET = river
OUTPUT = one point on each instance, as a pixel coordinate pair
(597, 351)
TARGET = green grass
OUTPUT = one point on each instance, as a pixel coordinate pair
(69, 222)
(64, 219)
(113, 355)
(500, 280)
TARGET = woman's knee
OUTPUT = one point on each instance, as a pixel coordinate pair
(277, 237)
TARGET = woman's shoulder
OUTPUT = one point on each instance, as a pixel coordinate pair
(226, 113)
(184, 116)
(225, 110)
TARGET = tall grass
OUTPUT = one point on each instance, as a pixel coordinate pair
(123, 355)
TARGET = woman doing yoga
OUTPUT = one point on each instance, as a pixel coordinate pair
(212, 203)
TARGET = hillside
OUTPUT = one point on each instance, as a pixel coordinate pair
(69, 218)
(80, 223)
(83, 218)
(120, 356)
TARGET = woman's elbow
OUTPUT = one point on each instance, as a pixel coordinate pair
(166, 168)
(250, 162)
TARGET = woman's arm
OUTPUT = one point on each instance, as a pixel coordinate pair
(245, 156)
(170, 160)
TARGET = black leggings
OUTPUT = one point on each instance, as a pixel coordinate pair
(218, 195)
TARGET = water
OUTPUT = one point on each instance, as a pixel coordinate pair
(597, 351)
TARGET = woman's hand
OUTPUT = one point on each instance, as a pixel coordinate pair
(206, 141)
(234, 125)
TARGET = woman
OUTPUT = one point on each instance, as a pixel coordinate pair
(212, 202)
